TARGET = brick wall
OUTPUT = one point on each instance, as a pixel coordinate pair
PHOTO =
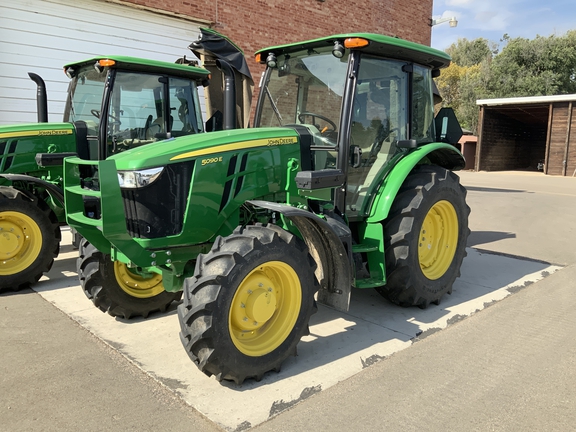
(255, 24)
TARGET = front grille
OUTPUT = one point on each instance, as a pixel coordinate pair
(157, 210)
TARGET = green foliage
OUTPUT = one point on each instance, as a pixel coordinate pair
(524, 67)
(537, 67)
(470, 53)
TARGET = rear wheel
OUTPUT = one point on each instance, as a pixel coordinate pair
(116, 289)
(248, 304)
(29, 239)
(425, 237)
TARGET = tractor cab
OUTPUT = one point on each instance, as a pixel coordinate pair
(361, 105)
(123, 103)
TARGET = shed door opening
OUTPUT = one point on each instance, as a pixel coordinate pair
(513, 138)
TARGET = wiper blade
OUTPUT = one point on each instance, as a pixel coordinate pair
(274, 107)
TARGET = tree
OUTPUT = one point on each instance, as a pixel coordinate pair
(469, 53)
(524, 67)
(459, 87)
(537, 67)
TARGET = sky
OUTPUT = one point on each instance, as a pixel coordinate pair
(491, 19)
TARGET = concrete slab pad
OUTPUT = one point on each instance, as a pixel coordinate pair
(339, 345)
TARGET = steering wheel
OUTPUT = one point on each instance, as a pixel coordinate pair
(314, 116)
(96, 114)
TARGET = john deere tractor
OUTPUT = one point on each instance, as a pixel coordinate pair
(114, 104)
(143, 101)
(342, 182)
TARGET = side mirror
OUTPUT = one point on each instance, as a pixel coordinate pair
(448, 128)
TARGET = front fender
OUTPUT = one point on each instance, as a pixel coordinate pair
(54, 190)
(326, 241)
(444, 155)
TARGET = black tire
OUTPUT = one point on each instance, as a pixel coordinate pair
(29, 239)
(430, 198)
(214, 318)
(76, 238)
(98, 277)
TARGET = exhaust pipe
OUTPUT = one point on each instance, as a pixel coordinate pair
(229, 94)
(41, 97)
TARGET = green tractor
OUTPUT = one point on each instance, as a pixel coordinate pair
(342, 182)
(145, 101)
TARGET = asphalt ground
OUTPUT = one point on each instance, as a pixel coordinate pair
(509, 366)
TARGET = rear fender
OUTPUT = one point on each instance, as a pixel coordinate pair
(444, 155)
(329, 242)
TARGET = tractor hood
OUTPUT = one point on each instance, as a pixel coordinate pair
(35, 130)
(203, 145)
(19, 145)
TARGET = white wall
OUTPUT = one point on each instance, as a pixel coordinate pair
(41, 36)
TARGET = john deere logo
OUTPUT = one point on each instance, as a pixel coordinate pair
(28, 133)
(281, 141)
(55, 132)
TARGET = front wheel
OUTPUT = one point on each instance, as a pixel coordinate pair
(249, 303)
(425, 237)
(29, 239)
(116, 289)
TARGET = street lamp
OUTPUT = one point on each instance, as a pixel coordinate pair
(453, 21)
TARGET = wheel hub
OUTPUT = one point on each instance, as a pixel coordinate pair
(20, 242)
(261, 305)
(438, 240)
(137, 285)
(254, 304)
(12, 239)
(264, 308)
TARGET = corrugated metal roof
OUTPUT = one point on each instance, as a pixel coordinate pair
(526, 100)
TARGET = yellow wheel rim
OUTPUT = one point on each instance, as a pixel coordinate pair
(20, 242)
(135, 284)
(438, 240)
(265, 308)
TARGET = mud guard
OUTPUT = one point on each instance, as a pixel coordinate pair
(51, 188)
(444, 155)
(330, 244)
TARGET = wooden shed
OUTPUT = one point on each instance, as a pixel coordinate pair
(527, 133)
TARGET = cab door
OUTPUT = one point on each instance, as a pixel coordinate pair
(380, 116)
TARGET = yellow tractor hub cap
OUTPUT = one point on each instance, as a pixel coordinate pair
(20, 242)
(136, 285)
(438, 240)
(265, 308)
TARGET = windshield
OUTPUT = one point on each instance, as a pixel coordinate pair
(306, 88)
(85, 98)
(138, 107)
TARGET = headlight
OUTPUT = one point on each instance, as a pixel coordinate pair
(138, 179)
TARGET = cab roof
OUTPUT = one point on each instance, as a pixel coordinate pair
(146, 65)
(379, 45)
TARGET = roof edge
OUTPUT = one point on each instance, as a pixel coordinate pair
(526, 100)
